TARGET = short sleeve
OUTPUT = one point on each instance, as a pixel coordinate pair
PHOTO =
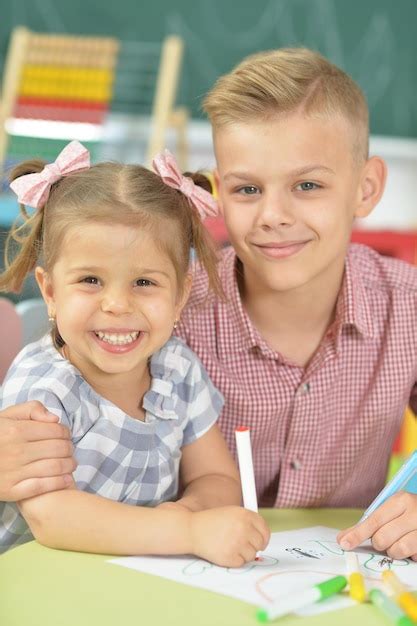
(205, 403)
(18, 389)
(49, 400)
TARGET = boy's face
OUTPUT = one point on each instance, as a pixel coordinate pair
(289, 189)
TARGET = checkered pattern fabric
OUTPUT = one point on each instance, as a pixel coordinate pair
(118, 457)
(321, 435)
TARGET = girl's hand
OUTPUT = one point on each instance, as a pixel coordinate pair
(228, 536)
(392, 528)
(173, 505)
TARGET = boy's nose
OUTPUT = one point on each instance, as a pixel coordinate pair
(276, 211)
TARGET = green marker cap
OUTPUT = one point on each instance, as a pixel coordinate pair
(330, 587)
(262, 616)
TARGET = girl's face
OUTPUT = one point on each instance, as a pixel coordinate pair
(115, 297)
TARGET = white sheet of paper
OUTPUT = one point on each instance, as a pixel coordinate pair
(293, 560)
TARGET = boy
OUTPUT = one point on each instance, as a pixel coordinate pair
(315, 346)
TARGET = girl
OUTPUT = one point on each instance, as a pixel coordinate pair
(115, 242)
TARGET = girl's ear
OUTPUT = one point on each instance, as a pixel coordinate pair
(182, 301)
(45, 285)
(372, 186)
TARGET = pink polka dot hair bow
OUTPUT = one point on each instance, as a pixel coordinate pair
(33, 189)
(165, 165)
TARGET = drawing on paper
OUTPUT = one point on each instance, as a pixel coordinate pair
(292, 560)
(199, 566)
(298, 553)
(375, 563)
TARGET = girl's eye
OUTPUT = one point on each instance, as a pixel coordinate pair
(90, 280)
(307, 186)
(248, 190)
(144, 282)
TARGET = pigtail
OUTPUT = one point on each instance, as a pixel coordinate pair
(202, 242)
(24, 242)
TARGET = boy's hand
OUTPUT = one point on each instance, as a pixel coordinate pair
(228, 536)
(392, 527)
(35, 452)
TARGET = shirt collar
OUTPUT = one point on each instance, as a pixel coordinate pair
(353, 307)
(240, 335)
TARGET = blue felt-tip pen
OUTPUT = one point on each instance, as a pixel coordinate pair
(405, 479)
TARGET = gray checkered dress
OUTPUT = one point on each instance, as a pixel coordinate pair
(118, 457)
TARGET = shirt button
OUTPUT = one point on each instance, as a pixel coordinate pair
(295, 464)
(303, 389)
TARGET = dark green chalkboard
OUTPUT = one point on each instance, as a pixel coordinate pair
(374, 40)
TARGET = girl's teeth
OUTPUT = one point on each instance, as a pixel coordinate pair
(117, 339)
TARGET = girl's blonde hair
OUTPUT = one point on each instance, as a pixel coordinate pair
(285, 81)
(108, 193)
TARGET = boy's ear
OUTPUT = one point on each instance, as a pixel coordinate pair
(371, 186)
(45, 285)
(219, 195)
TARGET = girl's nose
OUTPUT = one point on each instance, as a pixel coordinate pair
(116, 301)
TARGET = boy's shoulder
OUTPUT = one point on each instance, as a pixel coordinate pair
(382, 273)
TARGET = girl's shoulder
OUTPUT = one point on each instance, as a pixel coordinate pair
(39, 372)
(40, 358)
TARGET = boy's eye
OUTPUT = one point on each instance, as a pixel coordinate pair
(248, 190)
(144, 282)
(307, 186)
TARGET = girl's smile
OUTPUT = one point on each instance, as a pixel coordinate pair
(117, 341)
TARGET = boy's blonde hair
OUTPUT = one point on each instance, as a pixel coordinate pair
(284, 81)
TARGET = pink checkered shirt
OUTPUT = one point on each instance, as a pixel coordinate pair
(321, 435)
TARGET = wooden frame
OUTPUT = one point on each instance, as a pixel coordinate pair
(164, 115)
(11, 79)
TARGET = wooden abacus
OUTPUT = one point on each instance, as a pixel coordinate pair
(71, 79)
(58, 78)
